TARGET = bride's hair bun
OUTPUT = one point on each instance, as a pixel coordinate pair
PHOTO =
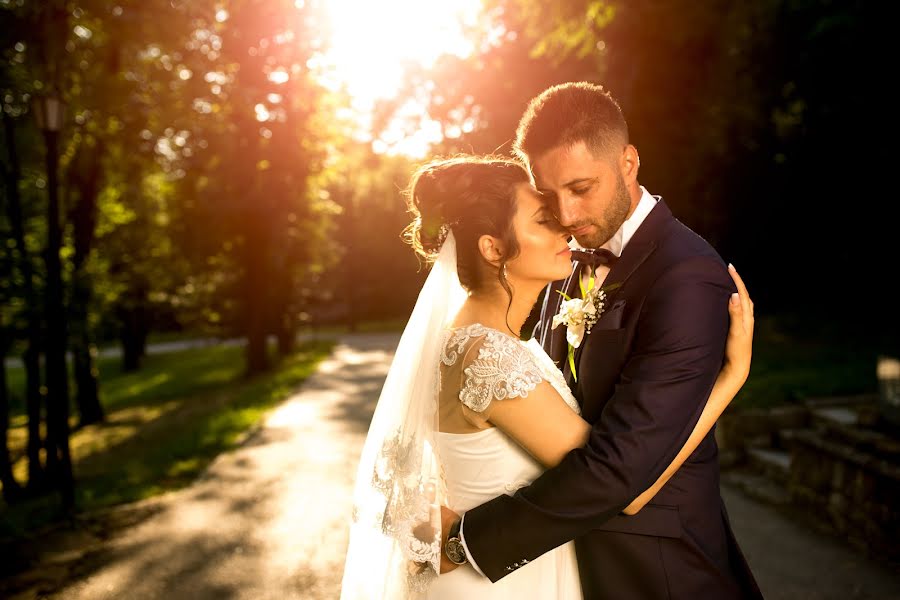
(445, 193)
(428, 197)
(468, 195)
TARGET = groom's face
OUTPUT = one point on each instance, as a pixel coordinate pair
(587, 192)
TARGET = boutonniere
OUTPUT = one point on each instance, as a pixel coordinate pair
(580, 314)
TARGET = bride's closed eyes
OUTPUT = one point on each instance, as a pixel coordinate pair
(547, 219)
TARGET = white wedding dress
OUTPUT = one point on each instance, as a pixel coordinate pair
(480, 366)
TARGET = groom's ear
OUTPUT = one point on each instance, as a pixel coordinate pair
(491, 249)
(629, 163)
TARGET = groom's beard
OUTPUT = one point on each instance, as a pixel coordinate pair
(611, 220)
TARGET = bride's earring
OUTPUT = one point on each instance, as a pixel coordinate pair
(503, 273)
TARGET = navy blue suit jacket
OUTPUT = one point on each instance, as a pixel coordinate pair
(644, 374)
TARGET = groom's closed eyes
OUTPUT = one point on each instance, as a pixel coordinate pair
(578, 187)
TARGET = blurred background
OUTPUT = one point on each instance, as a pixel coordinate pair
(198, 195)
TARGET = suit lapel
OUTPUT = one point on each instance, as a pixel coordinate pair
(641, 246)
(638, 249)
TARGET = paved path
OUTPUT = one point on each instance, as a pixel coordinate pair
(792, 562)
(269, 520)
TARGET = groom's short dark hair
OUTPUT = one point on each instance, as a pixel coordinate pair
(569, 113)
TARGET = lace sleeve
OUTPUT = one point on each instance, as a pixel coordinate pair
(496, 367)
(552, 374)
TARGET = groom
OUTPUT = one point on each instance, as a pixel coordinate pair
(644, 373)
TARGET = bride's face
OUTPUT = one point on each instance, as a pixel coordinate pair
(544, 253)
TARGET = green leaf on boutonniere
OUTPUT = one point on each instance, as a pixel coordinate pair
(572, 361)
(611, 287)
(590, 285)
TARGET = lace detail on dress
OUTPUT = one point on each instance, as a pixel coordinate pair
(408, 514)
(552, 374)
(503, 369)
(459, 338)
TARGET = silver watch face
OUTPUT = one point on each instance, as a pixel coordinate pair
(455, 551)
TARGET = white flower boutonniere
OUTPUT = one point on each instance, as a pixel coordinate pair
(580, 314)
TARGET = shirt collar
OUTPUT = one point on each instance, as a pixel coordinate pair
(616, 244)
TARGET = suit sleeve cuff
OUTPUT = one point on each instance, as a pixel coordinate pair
(462, 538)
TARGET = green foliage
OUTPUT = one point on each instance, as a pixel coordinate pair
(575, 28)
(738, 111)
(791, 364)
(375, 262)
(207, 207)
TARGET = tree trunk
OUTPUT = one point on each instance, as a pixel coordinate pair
(284, 321)
(132, 315)
(287, 336)
(11, 489)
(85, 178)
(87, 397)
(37, 479)
(350, 272)
(255, 298)
(131, 348)
(59, 461)
(31, 358)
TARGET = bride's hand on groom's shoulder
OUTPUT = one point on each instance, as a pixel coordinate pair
(739, 345)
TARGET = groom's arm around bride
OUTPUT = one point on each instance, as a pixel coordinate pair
(644, 375)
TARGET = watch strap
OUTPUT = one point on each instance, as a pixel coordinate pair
(454, 549)
(454, 529)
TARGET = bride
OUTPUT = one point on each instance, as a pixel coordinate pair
(469, 410)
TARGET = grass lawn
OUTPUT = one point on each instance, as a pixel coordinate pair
(164, 424)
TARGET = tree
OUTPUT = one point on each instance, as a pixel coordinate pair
(50, 23)
(738, 111)
(15, 93)
(250, 138)
(11, 489)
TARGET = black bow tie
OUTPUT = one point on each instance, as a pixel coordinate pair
(595, 257)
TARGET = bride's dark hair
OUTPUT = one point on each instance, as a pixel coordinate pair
(472, 196)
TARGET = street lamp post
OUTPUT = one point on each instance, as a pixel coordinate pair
(49, 112)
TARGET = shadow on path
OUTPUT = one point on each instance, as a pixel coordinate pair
(267, 520)
(270, 519)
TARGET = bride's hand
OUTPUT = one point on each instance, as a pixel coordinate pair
(734, 373)
(739, 345)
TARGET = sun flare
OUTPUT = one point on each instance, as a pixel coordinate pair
(372, 42)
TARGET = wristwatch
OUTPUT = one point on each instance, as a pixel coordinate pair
(454, 548)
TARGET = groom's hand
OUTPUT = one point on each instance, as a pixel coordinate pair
(448, 517)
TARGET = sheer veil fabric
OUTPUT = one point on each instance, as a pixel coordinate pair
(395, 534)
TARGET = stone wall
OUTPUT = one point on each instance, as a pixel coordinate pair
(842, 471)
(854, 492)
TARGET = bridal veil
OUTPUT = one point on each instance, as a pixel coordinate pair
(395, 534)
